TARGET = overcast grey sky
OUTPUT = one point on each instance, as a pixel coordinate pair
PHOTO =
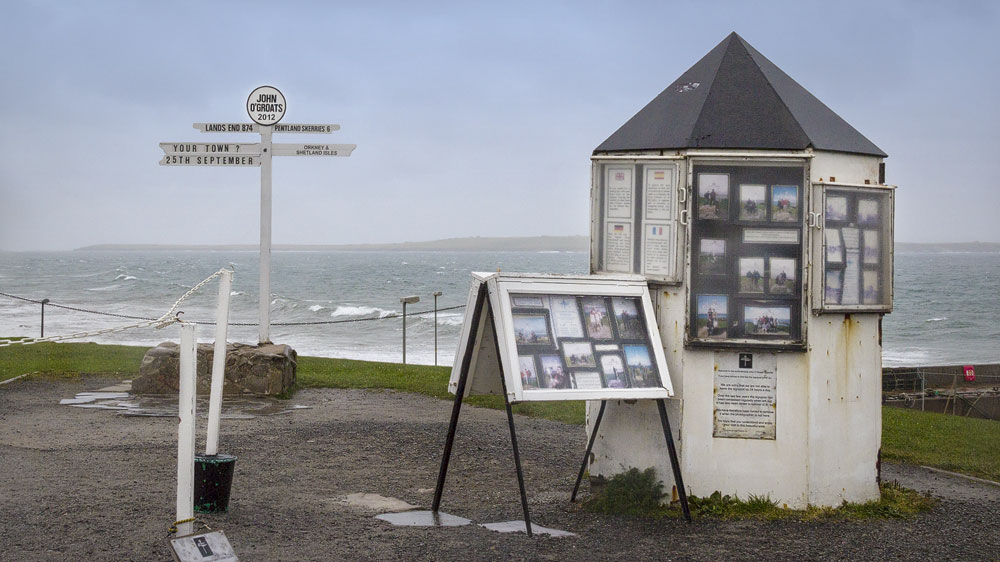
(470, 119)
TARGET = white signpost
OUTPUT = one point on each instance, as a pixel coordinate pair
(266, 106)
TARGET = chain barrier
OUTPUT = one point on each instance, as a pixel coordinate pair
(149, 321)
(169, 317)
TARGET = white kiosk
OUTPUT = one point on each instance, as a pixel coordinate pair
(761, 222)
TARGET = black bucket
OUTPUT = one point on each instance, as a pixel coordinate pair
(213, 479)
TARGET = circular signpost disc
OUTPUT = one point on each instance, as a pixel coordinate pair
(266, 105)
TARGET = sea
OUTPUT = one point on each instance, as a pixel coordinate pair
(946, 309)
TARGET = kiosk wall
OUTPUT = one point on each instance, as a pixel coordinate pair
(779, 391)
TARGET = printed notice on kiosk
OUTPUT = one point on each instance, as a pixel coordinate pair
(745, 401)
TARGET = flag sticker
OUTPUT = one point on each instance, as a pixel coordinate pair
(619, 228)
(659, 175)
(656, 230)
(619, 176)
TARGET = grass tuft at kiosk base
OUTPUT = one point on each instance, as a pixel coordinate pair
(949, 442)
(640, 494)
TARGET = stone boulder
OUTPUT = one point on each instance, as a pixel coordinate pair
(266, 370)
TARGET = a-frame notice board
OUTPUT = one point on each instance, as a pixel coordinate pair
(552, 337)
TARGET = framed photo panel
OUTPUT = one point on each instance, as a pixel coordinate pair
(713, 196)
(753, 202)
(595, 338)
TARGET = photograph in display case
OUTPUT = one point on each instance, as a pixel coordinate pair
(868, 214)
(713, 316)
(613, 369)
(565, 315)
(597, 319)
(553, 374)
(640, 366)
(834, 247)
(586, 380)
(771, 320)
(531, 328)
(713, 196)
(836, 208)
(782, 276)
(752, 275)
(870, 244)
(712, 256)
(753, 202)
(578, 354)
(784, 203)
(529, 371)
(852, 278)
(834, 286)
(870, 287)
(627, 319)
(527, 301)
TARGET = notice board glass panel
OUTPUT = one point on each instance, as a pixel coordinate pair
(637, 226)
(747, 235)
(856, 250)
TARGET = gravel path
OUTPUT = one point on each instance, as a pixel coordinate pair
(78, 483)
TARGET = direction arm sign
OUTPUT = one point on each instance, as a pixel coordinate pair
(318, 128)
(211, 160)
(210, 148)
(286, 149)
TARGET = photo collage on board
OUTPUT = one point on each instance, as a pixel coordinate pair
(572, 342)
(853, 248)
(746, 239)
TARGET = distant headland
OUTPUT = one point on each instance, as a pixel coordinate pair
(469, 244)
(492, 244)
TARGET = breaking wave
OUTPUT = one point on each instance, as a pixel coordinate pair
(348, 310)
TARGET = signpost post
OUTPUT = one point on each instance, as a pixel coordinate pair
(266, 106)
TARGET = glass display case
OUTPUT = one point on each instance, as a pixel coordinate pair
(637, 218)
(747, 235)
(855, 246)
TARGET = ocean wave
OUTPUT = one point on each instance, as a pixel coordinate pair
(123, 277)
(316, 308)
(236, 293)
(942, 319)
(348, 310)
(107, 288)
(450, 319)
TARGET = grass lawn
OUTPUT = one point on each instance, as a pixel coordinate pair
(70, 359)
(960, 444)
(422, 379)
(967, 445)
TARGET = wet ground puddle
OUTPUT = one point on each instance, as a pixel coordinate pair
(120, 399)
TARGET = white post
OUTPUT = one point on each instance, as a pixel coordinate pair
(265, 235)
(185, 430)
(218, 363)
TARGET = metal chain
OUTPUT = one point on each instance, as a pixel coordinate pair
(165, 320)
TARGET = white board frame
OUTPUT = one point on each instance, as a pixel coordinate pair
(500, 286)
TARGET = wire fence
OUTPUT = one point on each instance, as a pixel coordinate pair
(390, 316)
(172, 316)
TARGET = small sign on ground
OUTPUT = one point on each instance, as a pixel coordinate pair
(202, 547)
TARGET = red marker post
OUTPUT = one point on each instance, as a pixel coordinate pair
(970, 373)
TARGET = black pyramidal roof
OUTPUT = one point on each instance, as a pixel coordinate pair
(735, 98)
